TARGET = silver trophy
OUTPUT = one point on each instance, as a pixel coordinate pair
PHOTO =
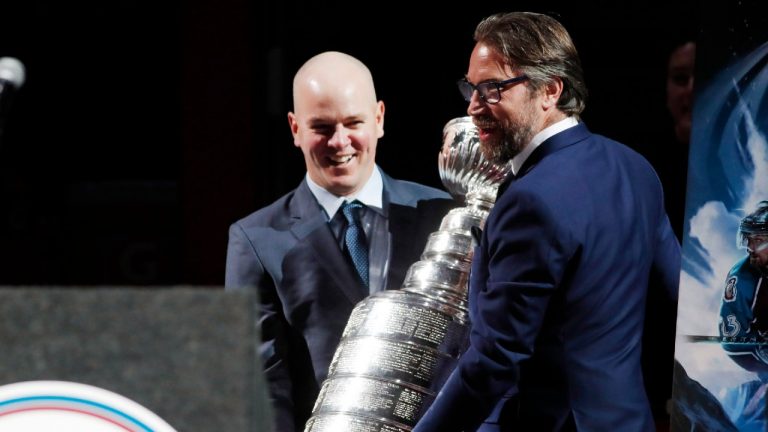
(399, 347)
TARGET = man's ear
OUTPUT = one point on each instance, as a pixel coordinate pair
(552, 91)
(294, 124)
(380, 119)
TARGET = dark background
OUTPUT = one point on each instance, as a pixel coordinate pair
(145, 128)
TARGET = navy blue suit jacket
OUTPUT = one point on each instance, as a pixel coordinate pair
(557, 295)
(308, 288)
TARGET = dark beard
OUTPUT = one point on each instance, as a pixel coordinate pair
(513, 141)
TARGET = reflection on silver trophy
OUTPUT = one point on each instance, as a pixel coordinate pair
(399, 347)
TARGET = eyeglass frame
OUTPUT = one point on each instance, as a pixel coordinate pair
(498, 85)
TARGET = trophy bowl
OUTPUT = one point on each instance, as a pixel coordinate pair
(461, 163)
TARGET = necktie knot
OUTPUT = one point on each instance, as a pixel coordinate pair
(351, 211)
(354, 238)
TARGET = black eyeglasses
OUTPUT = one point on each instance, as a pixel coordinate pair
(490, 92)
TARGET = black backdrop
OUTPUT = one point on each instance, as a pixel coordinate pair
(145, 128)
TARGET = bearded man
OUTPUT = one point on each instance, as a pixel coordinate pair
(560, 277)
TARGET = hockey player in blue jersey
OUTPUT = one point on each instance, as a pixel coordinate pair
(744, 321)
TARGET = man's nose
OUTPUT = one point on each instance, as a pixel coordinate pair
(340, 138)
(476, 104)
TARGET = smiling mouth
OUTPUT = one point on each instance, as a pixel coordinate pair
(485, 126)
(485, 131)
(340, 160)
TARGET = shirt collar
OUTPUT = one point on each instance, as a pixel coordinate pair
(543, 135)
(370, 194)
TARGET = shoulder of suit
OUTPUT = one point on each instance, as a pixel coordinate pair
(620, 147)
(410, 193)
(643, 167)
(275, 214)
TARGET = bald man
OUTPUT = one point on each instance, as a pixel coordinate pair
(294, 252)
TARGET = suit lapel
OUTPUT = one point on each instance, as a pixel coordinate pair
(311, 230)
(403, 229)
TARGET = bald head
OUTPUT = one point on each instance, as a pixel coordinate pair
(333, 72)
(336, 121)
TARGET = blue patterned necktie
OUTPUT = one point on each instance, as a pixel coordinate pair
(355, 238)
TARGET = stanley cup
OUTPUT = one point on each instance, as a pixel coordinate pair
(399, 347)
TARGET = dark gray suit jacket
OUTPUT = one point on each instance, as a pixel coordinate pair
(308, 288)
